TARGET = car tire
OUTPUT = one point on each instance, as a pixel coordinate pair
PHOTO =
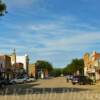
(24, 82)
(13, 82)
(3, 86)
(73, 83)
(84, 83)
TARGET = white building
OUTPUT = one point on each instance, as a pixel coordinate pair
(23, 59)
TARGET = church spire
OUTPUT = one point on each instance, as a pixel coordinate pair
(14, 51)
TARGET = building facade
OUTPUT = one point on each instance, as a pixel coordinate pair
(92, 65)
(41, 72)
(19, 65)
(20, 59)
(32, 70)
(24, 60)
(5, 66)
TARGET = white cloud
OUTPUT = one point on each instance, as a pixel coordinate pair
(62, 38)
(74, 42)
(58, 37)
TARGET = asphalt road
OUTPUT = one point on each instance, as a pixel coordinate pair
(51, 89)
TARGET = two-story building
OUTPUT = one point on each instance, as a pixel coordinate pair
(5, 66)
(92, 65)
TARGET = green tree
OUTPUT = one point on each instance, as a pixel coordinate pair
(44, 65)
(74, 66)
(56, 72)
(2, 8)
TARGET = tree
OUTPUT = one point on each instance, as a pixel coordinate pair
(44, 65)
(2, 8)
(56, 72)
(43, 69)
(74, 66)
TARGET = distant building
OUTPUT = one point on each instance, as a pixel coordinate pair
(18, 70)
(20, 59)
(46, 73)
(32, 70)
(92, 65)
(13, 57)
(40, 72)
(5, 61)
(5, 66)
(19, 65)
(24, 60)
(35, 71)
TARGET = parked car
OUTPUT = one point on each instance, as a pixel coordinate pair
(7, 81)
(68, 78)
(82, 80)
(3, 82)
(30, 79)
(18, 80)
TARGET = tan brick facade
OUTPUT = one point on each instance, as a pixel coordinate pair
(92, 65)
(32, 70)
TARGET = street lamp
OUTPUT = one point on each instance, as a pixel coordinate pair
(2, 8)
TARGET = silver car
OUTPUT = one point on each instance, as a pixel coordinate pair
(18, 80)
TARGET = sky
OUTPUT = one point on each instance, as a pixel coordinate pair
(53, 30)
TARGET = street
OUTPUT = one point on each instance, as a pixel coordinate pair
(51, 89)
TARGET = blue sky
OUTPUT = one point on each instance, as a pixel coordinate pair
(52, 30)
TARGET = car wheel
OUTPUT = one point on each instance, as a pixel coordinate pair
(3, 86)
(24, 81)
(84, 83)
(73, 83)
(13, 82)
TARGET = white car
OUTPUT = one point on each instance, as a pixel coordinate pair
(30, 79)
(18, 80)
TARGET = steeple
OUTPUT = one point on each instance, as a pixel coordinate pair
(13, 57)
(14, 51)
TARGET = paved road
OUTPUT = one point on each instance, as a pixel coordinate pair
(51, 89)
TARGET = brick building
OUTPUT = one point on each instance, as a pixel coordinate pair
(19, 65)
(32, 70)
(5, 66)
(37, 72)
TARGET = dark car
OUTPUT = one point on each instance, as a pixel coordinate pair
(3, 82)
(82, 80)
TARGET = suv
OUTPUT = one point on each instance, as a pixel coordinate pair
(82, 80)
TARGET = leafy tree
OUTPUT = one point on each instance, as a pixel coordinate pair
(74, 66)
(44, 65)
(2, 8)
(56, 72)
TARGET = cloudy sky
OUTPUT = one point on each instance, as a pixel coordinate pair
(52, 30)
